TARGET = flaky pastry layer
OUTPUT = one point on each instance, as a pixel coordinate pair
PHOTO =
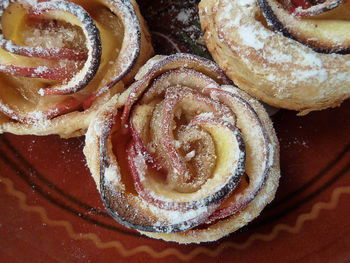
(75, 123)
(206, 232)
(277, 70)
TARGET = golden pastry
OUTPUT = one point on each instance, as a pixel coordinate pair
(62, 60)
(285, 72)
(183, 155)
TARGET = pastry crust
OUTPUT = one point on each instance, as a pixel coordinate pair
(101, 88)
(95, 143)
(231, 224)
(275, 69)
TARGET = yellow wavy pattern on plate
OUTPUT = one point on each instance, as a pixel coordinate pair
(302, 218)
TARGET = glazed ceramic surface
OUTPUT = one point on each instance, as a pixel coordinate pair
(51, 211)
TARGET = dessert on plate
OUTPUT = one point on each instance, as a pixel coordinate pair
(183, 155)
(288, 54)
(61, 60)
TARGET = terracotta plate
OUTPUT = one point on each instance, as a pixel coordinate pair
(50, 210)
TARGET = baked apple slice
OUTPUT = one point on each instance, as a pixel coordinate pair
(169, 154)
(305, 8)
(258, 145)
(76, 15)
(322, 26)
(165, 64)
(170, 181)
(135, 45)
(166, 196)
(61, 59)
(14, 15)
(41, 72)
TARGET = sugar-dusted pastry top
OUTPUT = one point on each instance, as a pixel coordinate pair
(61, 60)
(268, 65)
(183, 155)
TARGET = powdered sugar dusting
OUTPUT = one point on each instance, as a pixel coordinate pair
(287, 64)
(248, 38)
(185, 15)
(185, 127)
(112, 174)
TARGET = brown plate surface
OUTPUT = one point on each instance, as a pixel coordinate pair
(50, 210)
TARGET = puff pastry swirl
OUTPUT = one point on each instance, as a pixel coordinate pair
(269, 66)
(61, 60)
(183, 155)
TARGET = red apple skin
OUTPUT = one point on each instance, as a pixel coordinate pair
(133, 151)
(56, 74)
(234, 207)
(45, 53)
(140, 146)
(68, 105)
(308, 10)
(132, 53)
(61, 74)
(93, 38)
(117, 206)
(296, 14)
(52, 53)
(169, 105)
(170, 61)
(272, 18)
(116, 211)
(42, 52)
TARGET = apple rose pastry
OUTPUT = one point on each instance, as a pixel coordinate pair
(61, 60)
(183, 155)
(289, 54)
